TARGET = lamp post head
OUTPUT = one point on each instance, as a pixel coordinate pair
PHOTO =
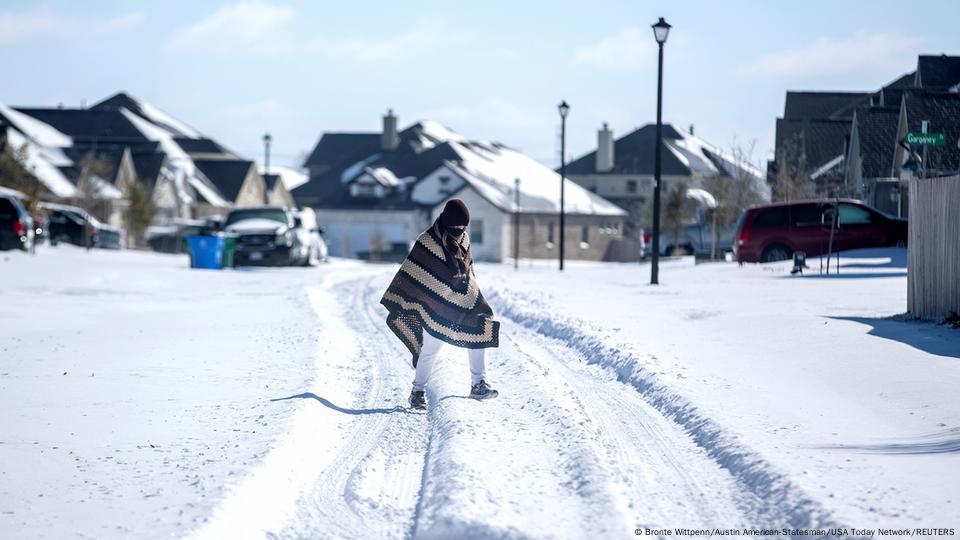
(267, 139)
(563, 108)
(661, 30)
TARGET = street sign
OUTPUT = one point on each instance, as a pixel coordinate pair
(926, 139)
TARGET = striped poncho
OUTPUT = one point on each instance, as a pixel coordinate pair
(424, 296)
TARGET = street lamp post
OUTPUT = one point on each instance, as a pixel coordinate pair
(516, 225)
(660, 32)
(267, 139)
(564, 109)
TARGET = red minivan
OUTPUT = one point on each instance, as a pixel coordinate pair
(772, 232)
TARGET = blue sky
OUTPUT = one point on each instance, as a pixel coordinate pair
(489, 70)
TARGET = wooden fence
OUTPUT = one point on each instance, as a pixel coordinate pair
(933, 279)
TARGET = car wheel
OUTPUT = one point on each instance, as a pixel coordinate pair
(776, 252)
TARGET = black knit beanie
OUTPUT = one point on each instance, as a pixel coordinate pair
(455, 214)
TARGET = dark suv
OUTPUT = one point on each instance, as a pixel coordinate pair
(16, 225)
(773, 232)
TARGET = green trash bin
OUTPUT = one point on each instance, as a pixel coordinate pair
(229, 247)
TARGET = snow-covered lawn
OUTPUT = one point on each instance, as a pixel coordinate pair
(143, 399)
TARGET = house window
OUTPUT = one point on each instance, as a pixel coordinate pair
(584, 236)
(476, 232)
(631, 186)
(364, 190)
(550, 234)
(444, 188)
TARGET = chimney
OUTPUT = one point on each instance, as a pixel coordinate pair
(390, 139)
(605, 149)
(691, 129)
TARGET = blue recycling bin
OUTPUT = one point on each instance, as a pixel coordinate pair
(206, 251)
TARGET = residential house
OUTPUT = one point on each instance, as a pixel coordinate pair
(849, 143)
(622, 170)
(100, 151)
(870, 158)
(280, 182)
(374, 191)
(812, 137)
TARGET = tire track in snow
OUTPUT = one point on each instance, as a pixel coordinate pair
(564, 452)
(343, 470)
(371, 490)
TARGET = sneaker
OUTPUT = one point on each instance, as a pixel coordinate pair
(418, 400)
(482, 390)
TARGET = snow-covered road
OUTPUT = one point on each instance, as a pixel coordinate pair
(565, 452)
(142, 399)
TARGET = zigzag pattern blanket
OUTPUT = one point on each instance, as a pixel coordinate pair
(423, 297)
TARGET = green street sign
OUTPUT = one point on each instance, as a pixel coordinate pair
(926, 139)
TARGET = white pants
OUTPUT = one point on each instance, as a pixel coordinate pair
(428, 353)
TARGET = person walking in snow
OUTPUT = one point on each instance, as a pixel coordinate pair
(434, 299)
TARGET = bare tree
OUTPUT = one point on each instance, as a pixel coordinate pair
(674, 212)
(734, 191)
(141, 211)
(93, 171)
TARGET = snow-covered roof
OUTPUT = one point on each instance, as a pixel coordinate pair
(290, 177)
(40, 133)
(826, 167)
(704, 197)
(152, 114)
(41, 163)
(703, 157)
(492, 170)
(356, 169)
(105, 189)
(155, 133)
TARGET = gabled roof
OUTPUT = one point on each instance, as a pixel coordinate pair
(942, 111)
(271, 181)
(334, 149)
(819, 141)
(148, 112)
(682, 154)
(103, 125)
(225, 174)
(417, 155)
(108, 157)
(425, 147)
(822, 105)
(940, 72)
(148, 167)
(877, 135)
(202, 146)
(634, 154)
(892, 93)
